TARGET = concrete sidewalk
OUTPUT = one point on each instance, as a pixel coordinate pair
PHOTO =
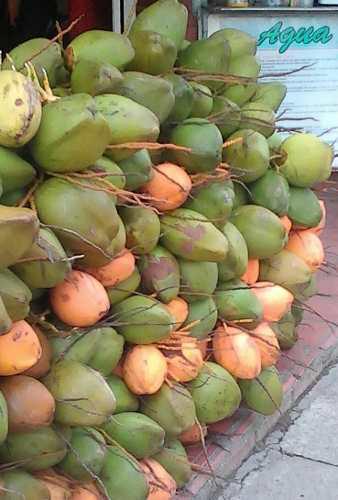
(299, 460)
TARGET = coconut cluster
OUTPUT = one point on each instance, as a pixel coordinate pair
(158, 239)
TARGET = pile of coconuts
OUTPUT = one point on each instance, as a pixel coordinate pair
(158, 240)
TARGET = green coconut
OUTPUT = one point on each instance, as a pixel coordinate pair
(84, 220)
(152, 92)
(204, 313)
(236, 261)
(20, 111)
(18, 230)
(51, 266)
(13, 198)
(304, 207)
(3, 418)
(226, 115)
(214, 200)
(82, 395)
(125, 288)
(142, 320)
(285, 269)
(99, 348)
(174, 460)
(155, 54)
(184, 96)
(61, 91)
(304, 291)
(286, 331)
(103, 47)
(15, 172)
(258, 116)
(202, 102)
(126, 401)
(95, 78)
(241, 43)
(275, 141)
(271, 191)
(249, 157)
(76, 347)
(137, 169)
(198, 279)
(205, 141)
(136, 433)
(73, 134)
(190, 235)
(38, 449)
(262, 230)
(15, 484)
(85, 455)
(246, 66)
(166, 17)
(119, 242)
(172, 408)
(116, 176)
(306, 160)
(142, 228)
(235, 301)
(184, 44)
(108, 351)
(211, 55)
(44, 55)
(5, 326)
(160, 274)
(215, 393)
(128, 122)
(271, 94)
(263, 394)
(297, 311)
(122, 476)
(1, 189)
(241, 194)
(16, 296)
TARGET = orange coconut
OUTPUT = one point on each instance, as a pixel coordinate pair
(203, 347)
(287, 223)
(307, 245)
(252, 272)
(193, 434)
(86, 492)
(20, 349)
(80, 300)
(30, 404)
(185, 364)
(267, 343)
(119, 269)
(161, 485)
(144, 369)
(179, 309)
(275, 299)
(58, 486)
(169, 187)
(42, 366)
(237, 352)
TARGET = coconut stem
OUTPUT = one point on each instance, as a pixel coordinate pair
(153, 146)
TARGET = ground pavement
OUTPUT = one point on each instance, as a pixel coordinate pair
(299, 460)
